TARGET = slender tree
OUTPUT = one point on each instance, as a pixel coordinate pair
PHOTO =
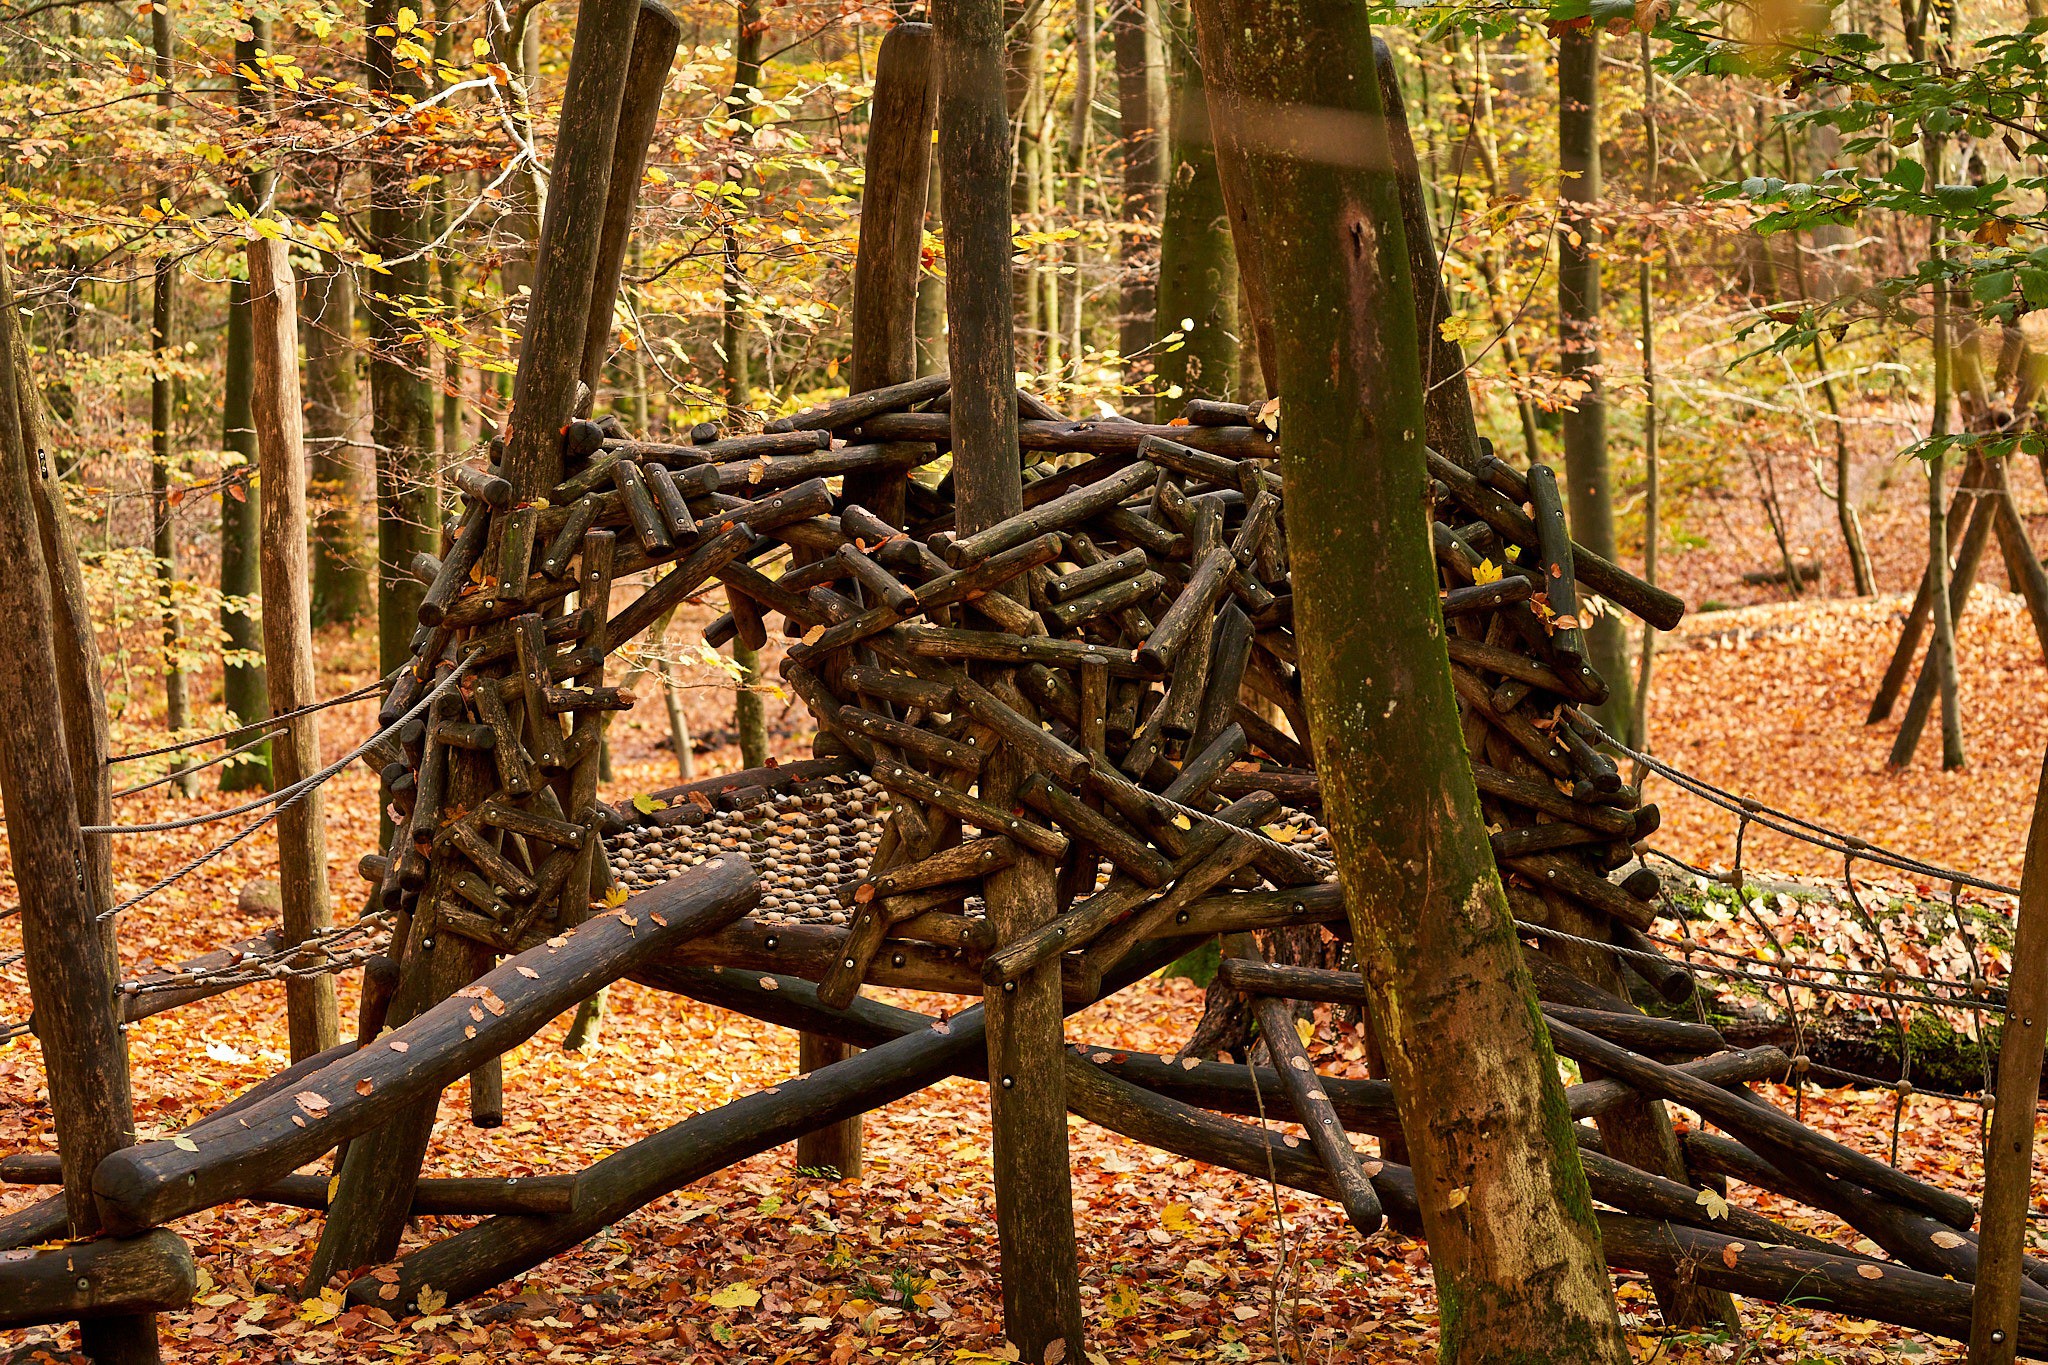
(401, 404)
(1513, 1242)
(750, 713)
(1639, 732)
(177, 702)
(1080, 126)
(244, 686)
(1588, 484)
(341, 571)
(1197, 260)
(1141, 115)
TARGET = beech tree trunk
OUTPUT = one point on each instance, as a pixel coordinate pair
(1513, 1241)
(1141, 114)
(1588, 485)
(244, 688)
(341, 571)
(401, 404)
(177, 703)
(1197, 259)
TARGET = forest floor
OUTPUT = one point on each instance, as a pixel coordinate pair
(1179, 1262)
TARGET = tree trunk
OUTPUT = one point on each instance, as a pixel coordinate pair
(1639, 723)
(1941, 654)
(1513, 1240)
(931, 297)
(177, 704)
(244, 689)
(243, 686)
(341, 573)
(1141, 111)
(1578, 309)
(401, 405)
(1197, 259)
(1027, 1096)
(1080, 124)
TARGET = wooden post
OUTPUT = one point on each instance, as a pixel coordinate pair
(655, 36)
(314, 1017)
(2009, 1160)
(1027, 1089)
(78, 652)
(551, 358)
(887, 264)
(73, 972)
(885, 277)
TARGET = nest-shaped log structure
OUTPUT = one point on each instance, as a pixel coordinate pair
(1104, 685)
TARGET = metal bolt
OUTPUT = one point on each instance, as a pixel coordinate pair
(1009, 985)
(1009, 1083)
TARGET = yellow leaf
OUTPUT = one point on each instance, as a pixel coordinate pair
(1279, 834)
(740, 1295)
(1456, 1198)
(1176, 1218)
(647, 805)
(615, 898)
(407, 19)
(431, 1300)
(1307, 1029)
(1713, 1203)
(1487, 572)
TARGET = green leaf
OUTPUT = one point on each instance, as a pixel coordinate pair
(1991, 286)
(1956, 198)
(1907, 174)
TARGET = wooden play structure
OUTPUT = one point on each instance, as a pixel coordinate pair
(1058, 748)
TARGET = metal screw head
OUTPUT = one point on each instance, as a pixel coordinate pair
(896, 960)
(1009, 1083)
(770, 942)
(848, 962)
(1009, 985)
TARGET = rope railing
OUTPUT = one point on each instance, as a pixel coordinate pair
(367, 690)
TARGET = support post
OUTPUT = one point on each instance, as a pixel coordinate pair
(564, 282)
(314, 1016)
(1027, 1089)
(885, 278)
(890, 255)
(73, 972)
(2009, 1159)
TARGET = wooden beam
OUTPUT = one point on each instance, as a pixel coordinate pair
(158, 1181)
(314, 1017)
(126, 1277)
